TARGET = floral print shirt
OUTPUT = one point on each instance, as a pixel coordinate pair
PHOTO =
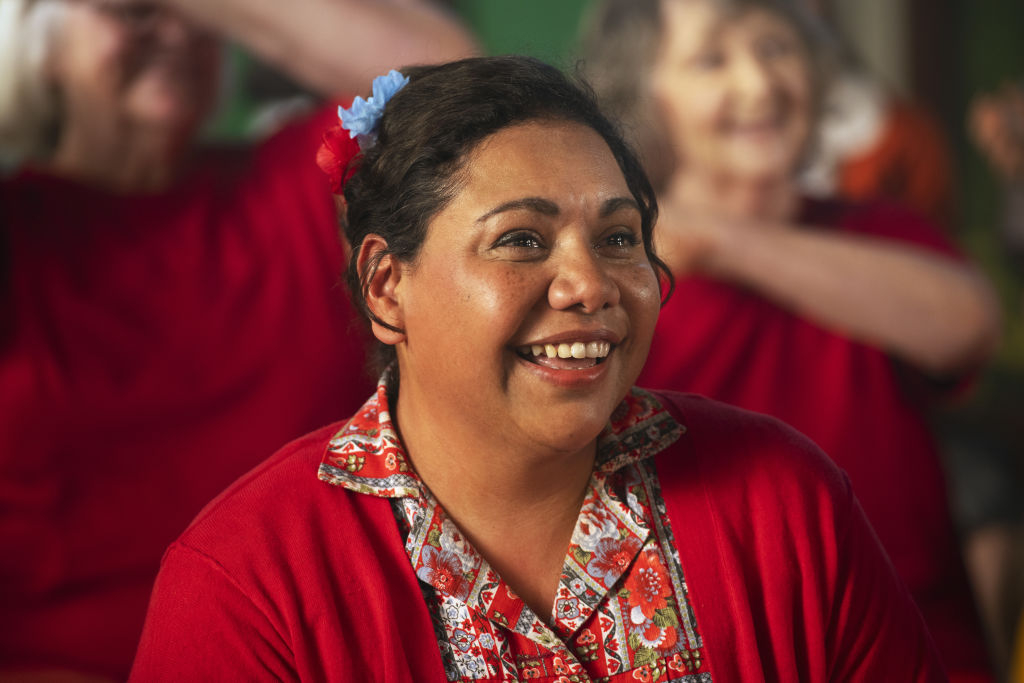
(621, 612)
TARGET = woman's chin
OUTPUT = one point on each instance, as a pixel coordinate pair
(174, 111)
(569, 426)
(570, 440)
(762, 167)
(170, 126)
(765, 159)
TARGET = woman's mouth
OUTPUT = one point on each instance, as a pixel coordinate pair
(567, 355)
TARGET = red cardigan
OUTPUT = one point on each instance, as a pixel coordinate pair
(286, 577)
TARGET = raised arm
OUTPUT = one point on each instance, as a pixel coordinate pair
(929, 309)
(335, 46)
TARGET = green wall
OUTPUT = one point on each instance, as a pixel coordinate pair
(545, 29)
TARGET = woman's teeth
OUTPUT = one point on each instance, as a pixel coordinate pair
(594, 349)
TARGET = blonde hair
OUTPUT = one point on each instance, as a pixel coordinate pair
(28, 99)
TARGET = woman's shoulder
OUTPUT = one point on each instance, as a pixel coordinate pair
(718, 425)
(740, 453)
(772, 539)
(276, 567)
(276, 175)
(269, 509)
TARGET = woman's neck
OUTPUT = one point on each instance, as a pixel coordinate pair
(772, 198)
(119, 156)
(468, 469)
(517, 505)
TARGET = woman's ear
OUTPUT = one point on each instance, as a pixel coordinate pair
(380, 273)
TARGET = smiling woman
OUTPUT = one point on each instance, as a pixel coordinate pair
(551, 256)
(508, 505)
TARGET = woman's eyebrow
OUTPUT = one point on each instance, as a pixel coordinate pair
(549, 208)
(617, 203)
(538, 204)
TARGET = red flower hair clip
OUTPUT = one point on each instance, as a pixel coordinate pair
(337, 157)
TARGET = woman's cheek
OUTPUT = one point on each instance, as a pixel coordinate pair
(500, 297)
(643, 284)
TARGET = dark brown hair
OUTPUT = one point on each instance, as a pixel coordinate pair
(428, 130)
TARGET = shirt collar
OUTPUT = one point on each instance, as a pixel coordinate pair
(368, 457)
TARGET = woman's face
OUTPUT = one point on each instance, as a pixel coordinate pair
(734, 90)
(538, 256)
(134, 62)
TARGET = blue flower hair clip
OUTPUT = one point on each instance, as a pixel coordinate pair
(360, 120)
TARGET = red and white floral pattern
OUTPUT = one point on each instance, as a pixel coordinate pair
(621, 611)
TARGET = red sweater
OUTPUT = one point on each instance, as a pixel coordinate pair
(285, 577)
(152, 349)
(859, 405)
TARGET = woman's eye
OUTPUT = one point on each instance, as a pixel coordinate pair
(625, 239)
(774, 47)
(519, 239)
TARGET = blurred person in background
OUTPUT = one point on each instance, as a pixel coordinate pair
(168, 314)
(843, 319)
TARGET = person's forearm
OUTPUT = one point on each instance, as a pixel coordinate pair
(335, 46)
(928, 309)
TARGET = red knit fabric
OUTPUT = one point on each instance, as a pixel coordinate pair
(286, 577)
(863, 408)
(153, 349)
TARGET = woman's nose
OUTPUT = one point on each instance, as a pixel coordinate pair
(581, 280)
(751, 78)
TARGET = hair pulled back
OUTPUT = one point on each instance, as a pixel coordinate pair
(429, 129)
